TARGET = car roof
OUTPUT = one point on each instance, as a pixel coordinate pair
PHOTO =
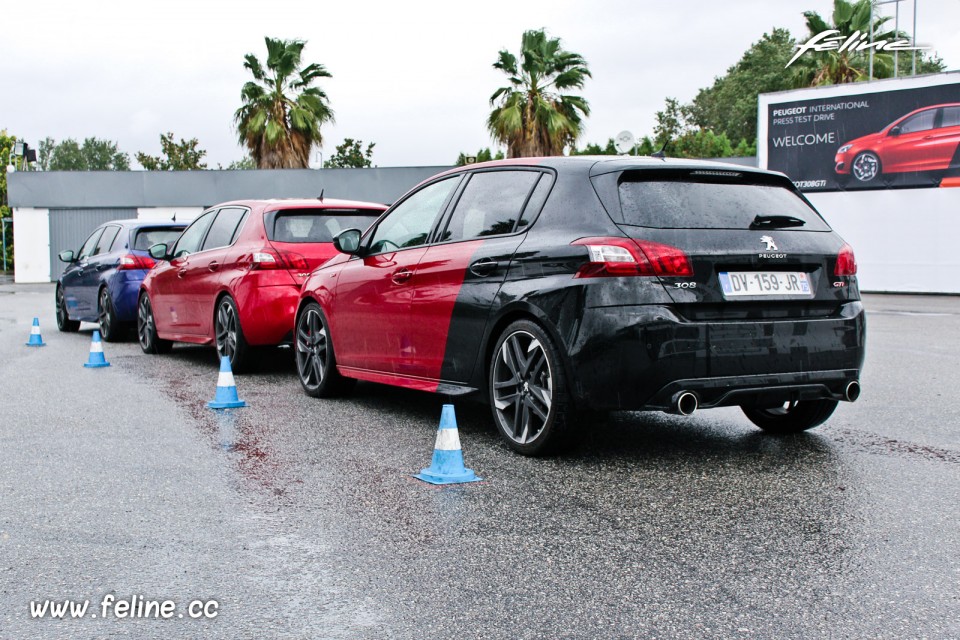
(135, 223)
(601, 164)
(302, 203)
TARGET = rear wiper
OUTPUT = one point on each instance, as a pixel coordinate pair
(765, 222)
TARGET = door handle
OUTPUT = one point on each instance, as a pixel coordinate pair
(484, 267)
(181, 272)
(401, 276)
(213, 266)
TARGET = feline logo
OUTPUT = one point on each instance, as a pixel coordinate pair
(771, 245)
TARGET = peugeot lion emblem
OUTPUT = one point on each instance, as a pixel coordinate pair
(771, 245)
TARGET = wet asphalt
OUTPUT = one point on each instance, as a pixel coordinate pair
(301, 519)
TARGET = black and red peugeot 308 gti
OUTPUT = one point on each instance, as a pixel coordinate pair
(556, 287)
(232, 279)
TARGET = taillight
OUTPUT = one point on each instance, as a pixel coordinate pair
(265, 260)
(133, 261)
(846, 262)
(295, 261)
(611, 257)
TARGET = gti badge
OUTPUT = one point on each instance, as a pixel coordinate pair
(771, 245)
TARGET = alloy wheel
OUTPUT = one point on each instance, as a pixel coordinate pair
(522, 387)
(311, 349)
(226, 330)
(866, 166)
(104, 315)
(145, 326)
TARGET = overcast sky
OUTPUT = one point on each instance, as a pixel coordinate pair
(414, 77)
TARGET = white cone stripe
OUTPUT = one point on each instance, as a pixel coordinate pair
(226, 379)
(96, 347)
(448, 440)
(34, 330)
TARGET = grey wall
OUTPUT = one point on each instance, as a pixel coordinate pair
(110, 189)
(70, 227)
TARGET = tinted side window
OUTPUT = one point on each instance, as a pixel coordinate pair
(223, 228)
(920, 122)
(189, 242)
(90, 245)
(106, 240)
(951, 117)
(537, 199)
(409, 224)
(490, 205)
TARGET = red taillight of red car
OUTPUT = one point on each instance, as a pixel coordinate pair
(612, 257)
(133, 261)
(846, 262)
(265, 260)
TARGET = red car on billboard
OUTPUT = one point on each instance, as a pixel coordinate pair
(923, 140)
(232, 279)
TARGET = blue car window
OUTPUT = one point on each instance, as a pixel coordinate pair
(90, 245)
(106, 240)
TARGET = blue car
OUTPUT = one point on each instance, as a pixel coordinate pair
(101, 281)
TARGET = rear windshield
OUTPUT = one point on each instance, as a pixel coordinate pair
(689, 201)
(317, 225)
(146, 238)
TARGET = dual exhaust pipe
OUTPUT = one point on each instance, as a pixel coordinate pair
(685, 403)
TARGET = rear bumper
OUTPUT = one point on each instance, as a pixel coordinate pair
(638, 357)
(124, 291)
(267, 313)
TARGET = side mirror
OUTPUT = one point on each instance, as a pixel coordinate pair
(158, 251)
(66, 256)
(895, 132)
(348, 241)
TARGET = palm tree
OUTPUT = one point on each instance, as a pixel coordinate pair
(281, 115)
(832, 67)
(531, 116)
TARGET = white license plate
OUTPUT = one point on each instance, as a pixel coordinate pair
(764, 283)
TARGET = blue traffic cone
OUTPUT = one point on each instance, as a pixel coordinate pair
(226, 397)
(35, 339)
(447, 464)
(96, 359)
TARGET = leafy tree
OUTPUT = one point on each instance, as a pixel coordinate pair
(701, 143)
(484, 155)
(6, 142)
(729, 106)
(672, 122)
(532, 116)
(281, 115)
(351, 154)
(45, 152)
(93, 155)
(246, 163)
(815, 68)
(593, 149)
(182, 156)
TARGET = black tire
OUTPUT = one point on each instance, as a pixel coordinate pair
(866, 167)
(315, 358)
(150, 342)
(791, 417)
(228, 335)
(64, 323)
(111, 329)
(528, 392)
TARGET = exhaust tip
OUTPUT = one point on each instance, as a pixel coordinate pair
(685, 403)
(852, 392)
